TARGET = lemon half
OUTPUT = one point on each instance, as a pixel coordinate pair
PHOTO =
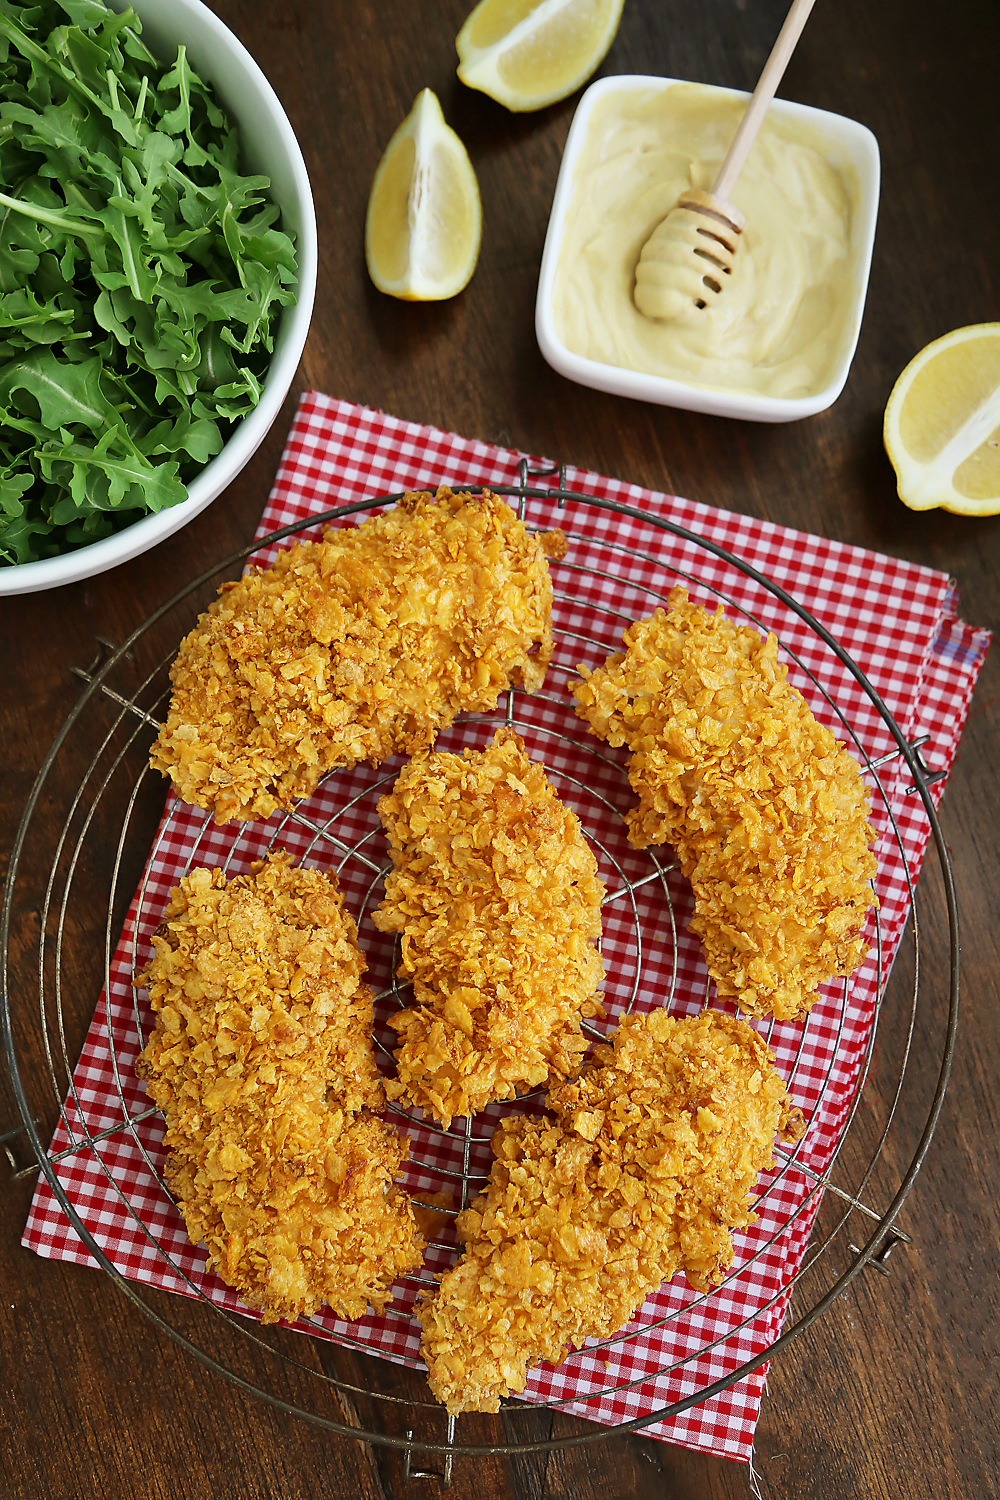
(529, 53)
(425, 218)
(942, 424)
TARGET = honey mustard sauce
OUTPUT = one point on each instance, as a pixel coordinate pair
(781, 322)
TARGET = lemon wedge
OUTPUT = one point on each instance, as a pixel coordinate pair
(425, 218)
(529, 53)
(942, 424)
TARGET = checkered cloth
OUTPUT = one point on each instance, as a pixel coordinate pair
(897, 622)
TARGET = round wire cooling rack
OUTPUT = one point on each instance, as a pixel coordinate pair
(107, 1146)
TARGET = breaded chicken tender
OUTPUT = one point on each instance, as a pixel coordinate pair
(645, 1170)
(350, 649)
(766, 810)
(261, 1060)
(496, 894)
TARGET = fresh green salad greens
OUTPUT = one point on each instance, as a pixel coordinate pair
(141, 277)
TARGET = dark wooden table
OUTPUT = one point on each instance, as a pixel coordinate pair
(893, 1392)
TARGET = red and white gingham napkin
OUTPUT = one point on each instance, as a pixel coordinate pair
(898, 623)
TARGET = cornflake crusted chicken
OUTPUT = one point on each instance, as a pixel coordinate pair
(496, 894)
(349, 649)
(261, 1061)
(645, 1170)
(767, 812)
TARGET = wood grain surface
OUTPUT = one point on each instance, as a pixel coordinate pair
(892, 1393)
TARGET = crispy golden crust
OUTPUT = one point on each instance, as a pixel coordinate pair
(767, 812)
(261, 1061)
(349, 649)
(496, 894)
(645, 1170)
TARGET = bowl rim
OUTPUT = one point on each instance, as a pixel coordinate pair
(863, 151)
(290, 337)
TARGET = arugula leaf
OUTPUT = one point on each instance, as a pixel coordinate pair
(141, 276)
(17, 260)
(23, 539)
(67, 395)
(12, 488)
(98, 480)
(21, 314)
(200, 437)
(85, 13)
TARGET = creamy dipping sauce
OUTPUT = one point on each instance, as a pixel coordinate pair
(781, 323)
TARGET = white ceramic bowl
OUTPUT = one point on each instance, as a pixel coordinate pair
(269, 147)
(849, 146)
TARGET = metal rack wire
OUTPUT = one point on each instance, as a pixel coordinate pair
(119, 710)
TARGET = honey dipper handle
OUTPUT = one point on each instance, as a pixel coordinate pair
(762, 95)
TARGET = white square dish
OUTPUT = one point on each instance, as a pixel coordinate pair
(847, 145)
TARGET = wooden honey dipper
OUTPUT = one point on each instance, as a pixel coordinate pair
(689, 254)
